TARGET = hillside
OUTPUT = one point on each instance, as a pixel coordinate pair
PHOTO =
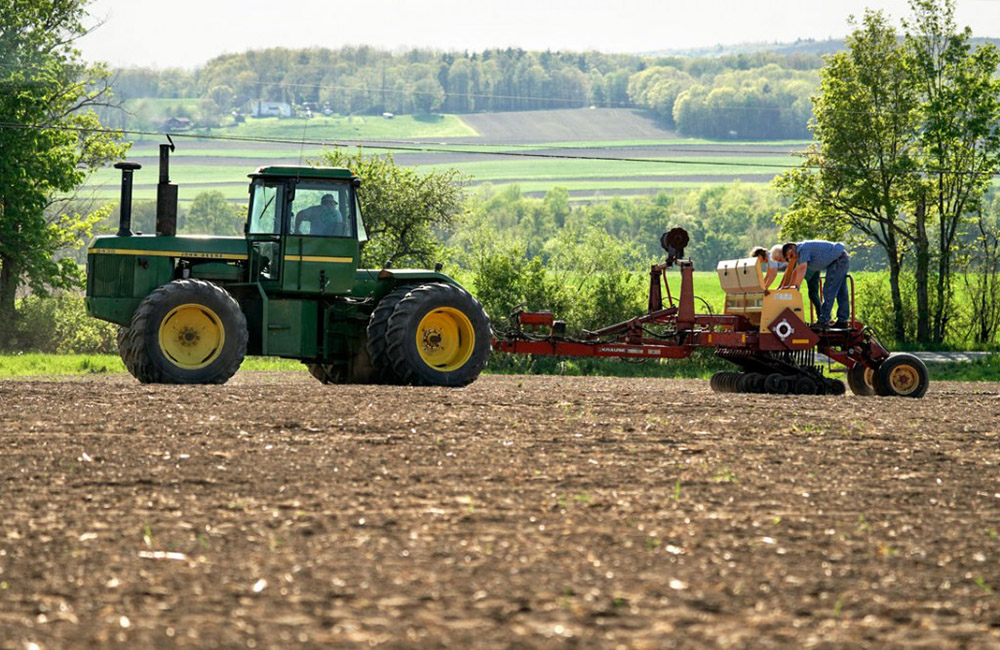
(803, 46)
(657, 158)
(568, 125)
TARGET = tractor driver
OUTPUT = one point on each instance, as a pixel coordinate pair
(324, 219)
(819, 255)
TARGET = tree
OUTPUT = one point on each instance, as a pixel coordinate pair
(860, 173)
(51, 139)
(982, 275)
(428, 95)
(909, 134)
(404, 212)
(212, 214)
(959, 140)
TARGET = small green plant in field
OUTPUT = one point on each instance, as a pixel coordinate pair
(982, 584)
(652, 543)
(677, 490)
(992, 533)
(725, 476)
(838, 606)
(147, 535)
(887, 551)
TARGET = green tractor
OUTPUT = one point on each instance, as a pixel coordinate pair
(192, 307)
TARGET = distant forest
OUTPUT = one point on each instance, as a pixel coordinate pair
(747, 96)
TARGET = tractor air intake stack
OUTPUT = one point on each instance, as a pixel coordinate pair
(125, 209)
(166, 195)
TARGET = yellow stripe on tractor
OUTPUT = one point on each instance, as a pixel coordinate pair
(196, 254)
(315, 258)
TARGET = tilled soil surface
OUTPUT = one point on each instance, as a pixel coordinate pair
(518, 512)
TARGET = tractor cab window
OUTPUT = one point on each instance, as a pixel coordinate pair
(362, 231)
(322, 210)
(265, 210)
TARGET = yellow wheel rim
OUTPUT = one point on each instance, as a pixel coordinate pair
(445, 339)
(191, 336)
(870, 378)
(904, 379)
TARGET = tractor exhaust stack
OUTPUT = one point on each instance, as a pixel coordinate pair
(125, 207)
(166, 195)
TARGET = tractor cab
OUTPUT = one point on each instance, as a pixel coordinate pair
(304, 229)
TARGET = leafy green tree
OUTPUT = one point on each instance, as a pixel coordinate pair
(959, 140)
(428, 95)
(211, 214)
(50, 139)
(909, 138)
(860, 173)
(982, 275)
(405, 213)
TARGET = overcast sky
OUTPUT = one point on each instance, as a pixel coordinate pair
(186, 33)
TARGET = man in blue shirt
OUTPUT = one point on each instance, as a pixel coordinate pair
(818, 255)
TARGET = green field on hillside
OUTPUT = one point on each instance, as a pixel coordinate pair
(350, 127)
(441, 141)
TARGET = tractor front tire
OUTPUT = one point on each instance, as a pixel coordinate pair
(185, 332)
(902, 375)
(438, 335)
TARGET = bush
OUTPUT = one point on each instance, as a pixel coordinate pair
(503, 279)
(60, 325)
(873, 303)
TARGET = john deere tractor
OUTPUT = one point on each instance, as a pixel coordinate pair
(191, 307)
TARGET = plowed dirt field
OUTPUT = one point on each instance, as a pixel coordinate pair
(519, 512)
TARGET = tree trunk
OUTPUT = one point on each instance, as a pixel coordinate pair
(8, 291)
(922, 273)
(942, 310)
(898, 322)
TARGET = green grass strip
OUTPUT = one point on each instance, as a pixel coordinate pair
(58, 365)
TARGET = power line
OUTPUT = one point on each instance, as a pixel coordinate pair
(377, 144)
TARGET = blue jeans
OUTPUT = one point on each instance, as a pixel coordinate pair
(835, 288)
(812, 281)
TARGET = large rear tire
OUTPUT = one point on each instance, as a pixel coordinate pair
(902, 375)
(438, 335)
(378, 345)
(185, 332)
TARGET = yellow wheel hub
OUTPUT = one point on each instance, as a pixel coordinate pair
(445, 339)
(191, 336)
(870, 378)
(904, 379)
